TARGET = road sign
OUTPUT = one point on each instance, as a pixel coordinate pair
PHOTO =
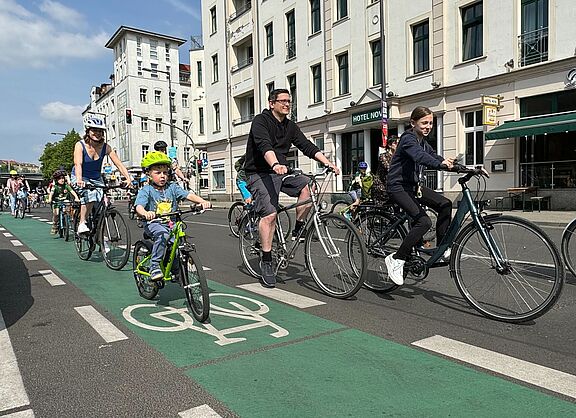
(489, 115)
(172, 152)
(491, 100)
(205, 163)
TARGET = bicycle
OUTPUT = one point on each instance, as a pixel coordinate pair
(108, 229)
(132, 207)
(567, 246)
(334, 252)
(20, 208)
(239, 210)
(64, 222)
(505, 267)
(180, 264)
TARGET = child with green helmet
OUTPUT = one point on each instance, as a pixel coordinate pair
(159, 197)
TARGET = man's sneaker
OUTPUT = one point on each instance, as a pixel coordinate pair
(302, 235)
(447, 254)
(267, 272)
(83, 228)
(395, 269)
(53, 230)
(156, 274)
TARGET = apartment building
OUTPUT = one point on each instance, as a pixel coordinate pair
(149, 79)
(499, 77)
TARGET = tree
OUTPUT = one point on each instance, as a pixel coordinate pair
(58, 154)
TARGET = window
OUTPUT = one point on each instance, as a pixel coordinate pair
(315, 16)
(201, 120)
(157, 97)
(343, 74)
(214, 68)
(292, 158)
(153, 49)
(143, 96)
(184, 100)
(144, 124)
(376, 47)
(145, 150)
(293, 94)
(218, 175)
(186, 154)
(269, 39)
(270, 86)
(159, 125)
(185, 125)
(139, 67)
(341, 9)
(199, 72)
(421, 50)
(471, 31)
(154, 68)
(167, 48)
(217, 126)
(534, 38)
(291, 35)
(172, 105)
(319, 141)
(474, 133)
(213, 25)
(316, 83)
(139, 46)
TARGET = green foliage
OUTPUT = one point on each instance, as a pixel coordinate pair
(58, 154)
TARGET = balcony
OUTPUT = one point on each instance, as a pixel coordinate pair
(242, 64)
(240, 10)
(533, 47)
(243, 119)
(242, 80)
(291, 49)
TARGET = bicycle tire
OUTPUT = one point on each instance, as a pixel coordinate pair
(195, 286)
(114, 239)
(131, 211)
(339, 206)
(146, 287)
(286, 221)
(235, 214)
(249, 244)
(84, 243)
(372, 226)
(526, 249)
(567, 240)
(66, 219)
(61, 224)
(339, 237)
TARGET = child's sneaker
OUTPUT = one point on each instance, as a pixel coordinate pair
(53, 230)
(156, 274)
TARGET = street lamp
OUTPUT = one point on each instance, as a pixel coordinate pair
(169, 98)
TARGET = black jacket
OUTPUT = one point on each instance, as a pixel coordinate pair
(269, 134)
(405, 165)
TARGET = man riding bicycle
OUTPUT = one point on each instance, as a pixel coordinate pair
(271, 136)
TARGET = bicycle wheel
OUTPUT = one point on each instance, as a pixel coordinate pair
(339, 207)
(21, 210)
(286, 221)
(61, 223)
(235, 214)
(250, 244)
(530, 282)
(131, 211)
(195, 285)
(114, 239)
(83, 242)
(66, 226)
(141, 262)
(380, 241)
(569, 247)
(336, 256)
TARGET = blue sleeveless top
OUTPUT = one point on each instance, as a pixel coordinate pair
(91, 169)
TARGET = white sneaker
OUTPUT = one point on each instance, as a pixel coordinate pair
(83, 228)
(395, 269)
(447, 253)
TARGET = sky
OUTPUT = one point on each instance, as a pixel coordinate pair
(52, 53)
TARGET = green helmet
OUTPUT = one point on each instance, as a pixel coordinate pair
(155, 158)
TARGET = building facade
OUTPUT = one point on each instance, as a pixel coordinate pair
(478, 64)
(149, 79)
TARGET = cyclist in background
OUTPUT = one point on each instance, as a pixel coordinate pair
(175, 171)
(60, 192)
(242, 180)
(157, 198)
(13, 184)
(379, 193)
(89, 155)
(360, 186)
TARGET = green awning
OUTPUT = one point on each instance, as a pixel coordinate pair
(534, 126)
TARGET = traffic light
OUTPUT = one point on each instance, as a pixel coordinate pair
(128, 116)
(199, 165)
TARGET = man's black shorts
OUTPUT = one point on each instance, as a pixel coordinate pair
(266, 188)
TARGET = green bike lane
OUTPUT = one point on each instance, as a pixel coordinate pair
(263, 358)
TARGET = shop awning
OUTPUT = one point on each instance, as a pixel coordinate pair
(534, 126)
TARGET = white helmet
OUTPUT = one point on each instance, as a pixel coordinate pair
(94, 121)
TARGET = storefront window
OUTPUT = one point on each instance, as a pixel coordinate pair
(352, 154)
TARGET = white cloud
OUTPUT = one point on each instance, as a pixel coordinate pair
(62, 112)
(28, 40)
(180, 5)
(62, 14)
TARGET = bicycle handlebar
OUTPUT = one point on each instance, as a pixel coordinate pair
(469, 172)
(295, 172)
(195, 210)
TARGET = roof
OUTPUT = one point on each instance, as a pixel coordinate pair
(185, 67)
(122, 30)
(563, 122)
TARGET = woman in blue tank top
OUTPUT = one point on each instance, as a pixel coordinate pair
(89, 155)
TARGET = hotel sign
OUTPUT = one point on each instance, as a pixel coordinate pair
(372, 115)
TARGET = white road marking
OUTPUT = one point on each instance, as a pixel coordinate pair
(43, 220)
(206, 268)
(49, 222)
(2, 229)
(282, 295)
(35, 217)
(28, 255)
(202, 411)
(12, 390)
(28, 413)
(16, 243)
(101, 325)
(52, 278)
(7, 234)
(524, 371)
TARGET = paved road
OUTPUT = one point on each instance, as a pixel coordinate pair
(373, 355)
